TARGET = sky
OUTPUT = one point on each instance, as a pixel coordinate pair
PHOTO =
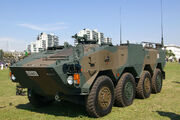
(22, 20)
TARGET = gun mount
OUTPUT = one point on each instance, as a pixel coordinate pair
(84, 39)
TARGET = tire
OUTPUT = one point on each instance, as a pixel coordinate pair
(157, 81)
(144, 87)
(38, 100)
(101, 98)
(125, 90)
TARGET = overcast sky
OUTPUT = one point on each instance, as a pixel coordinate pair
(22, 20)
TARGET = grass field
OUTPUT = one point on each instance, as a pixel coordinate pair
(162, 106)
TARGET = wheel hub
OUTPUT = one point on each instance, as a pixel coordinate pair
(104, 97)
(128, 90)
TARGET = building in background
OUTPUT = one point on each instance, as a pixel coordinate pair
(100, 38)
(93, 35)
(33, 47)
(107, 40)
(29, 48)
(175, 49)
(43, 41)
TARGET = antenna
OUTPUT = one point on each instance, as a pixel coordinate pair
(120, 27)
(162, 27)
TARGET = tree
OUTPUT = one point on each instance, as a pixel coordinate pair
(7, 55)
(169, 54)
(1, 54)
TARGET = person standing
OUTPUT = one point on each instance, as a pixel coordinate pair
(6, 65)
(2, 66)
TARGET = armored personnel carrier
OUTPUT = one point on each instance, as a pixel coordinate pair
(97, 76)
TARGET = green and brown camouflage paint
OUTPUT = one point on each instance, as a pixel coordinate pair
(93, 59)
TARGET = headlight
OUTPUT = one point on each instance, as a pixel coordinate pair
(13, 78)
(70, 80)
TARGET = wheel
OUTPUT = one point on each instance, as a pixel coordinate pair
(125, 90)
(101, 98)
(38, 100)
(143, 89)
(157, 81)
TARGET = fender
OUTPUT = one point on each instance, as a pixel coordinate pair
(87, 85)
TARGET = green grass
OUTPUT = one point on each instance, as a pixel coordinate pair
(162, 106)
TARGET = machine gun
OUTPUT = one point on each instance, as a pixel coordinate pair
(84, 39)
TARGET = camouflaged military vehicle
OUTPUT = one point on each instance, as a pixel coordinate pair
(97, 76)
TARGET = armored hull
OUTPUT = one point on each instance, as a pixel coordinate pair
(77, 74)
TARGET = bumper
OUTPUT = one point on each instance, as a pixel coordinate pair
(44, 81)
